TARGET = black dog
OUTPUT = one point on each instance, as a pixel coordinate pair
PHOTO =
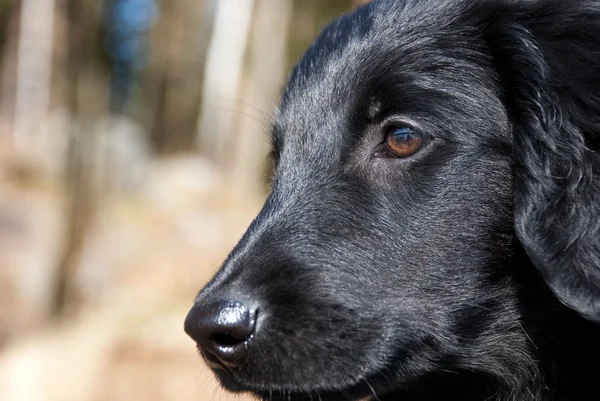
(433, 229)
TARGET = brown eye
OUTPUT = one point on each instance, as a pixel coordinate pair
(403, 141)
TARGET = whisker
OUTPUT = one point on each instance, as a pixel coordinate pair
(372, 390)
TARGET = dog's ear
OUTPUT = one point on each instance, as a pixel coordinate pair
(548, 61)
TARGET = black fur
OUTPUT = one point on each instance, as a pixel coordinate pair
(469, 271)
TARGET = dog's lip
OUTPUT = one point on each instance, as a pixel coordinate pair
(341, 395)
(211, 360)
(231, 382)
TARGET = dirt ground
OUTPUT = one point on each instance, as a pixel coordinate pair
(143, 259)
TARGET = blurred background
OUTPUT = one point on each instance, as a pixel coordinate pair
(133, 143)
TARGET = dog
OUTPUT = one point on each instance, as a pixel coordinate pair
(432, 230)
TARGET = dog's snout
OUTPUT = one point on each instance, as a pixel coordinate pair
(221, 330)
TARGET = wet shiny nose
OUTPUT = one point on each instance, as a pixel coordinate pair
(221, 330)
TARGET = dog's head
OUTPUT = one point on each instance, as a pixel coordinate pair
(431, 158)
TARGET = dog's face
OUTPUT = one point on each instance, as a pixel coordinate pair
(385, 251)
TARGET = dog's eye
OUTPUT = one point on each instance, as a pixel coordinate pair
(403, 141)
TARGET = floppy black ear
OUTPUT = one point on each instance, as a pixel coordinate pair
(548, 58)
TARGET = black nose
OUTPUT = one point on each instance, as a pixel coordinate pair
(221, 330)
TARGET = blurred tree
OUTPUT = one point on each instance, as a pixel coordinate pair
(223, 75)
(34, 71)
(246, 154)
(10, 12)
(169, 101)
(87, 100)
(5, 12)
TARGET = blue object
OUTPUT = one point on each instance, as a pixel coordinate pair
(128, 23)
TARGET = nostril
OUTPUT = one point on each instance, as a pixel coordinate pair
(226, 339)
(222, 329)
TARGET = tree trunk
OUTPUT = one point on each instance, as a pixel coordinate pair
(34, 72)
(87, 101)
(180, 41)
(262, 87)
(223, 76)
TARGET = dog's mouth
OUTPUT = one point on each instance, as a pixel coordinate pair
(365, 388)
(315, 384)
(351, 393)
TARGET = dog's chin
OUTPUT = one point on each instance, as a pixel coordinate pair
(371, 383)
(272, 392)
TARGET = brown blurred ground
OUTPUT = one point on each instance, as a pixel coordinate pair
(141, 264)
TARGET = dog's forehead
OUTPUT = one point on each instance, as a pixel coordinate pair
(395, 54)
(372, 37)
(338, 69)
(356, 49)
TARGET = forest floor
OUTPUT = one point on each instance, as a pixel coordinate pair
(143, 259)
